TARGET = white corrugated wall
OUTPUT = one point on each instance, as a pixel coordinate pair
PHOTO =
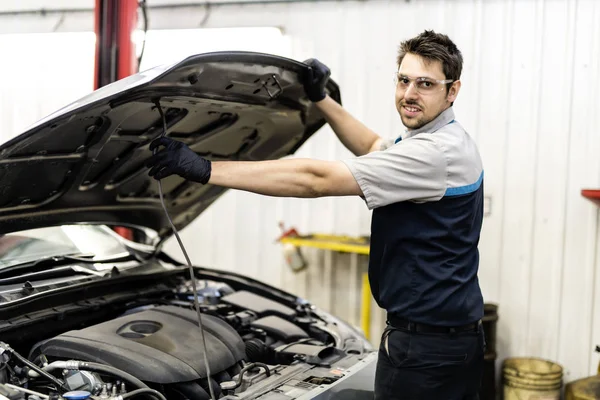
(531, 100)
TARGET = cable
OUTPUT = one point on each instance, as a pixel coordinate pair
(191, 268)
(249, 367)
(207, 11)
(300, 342)
(20, 389)
(151, 392)
(142, 5)
(31, 365)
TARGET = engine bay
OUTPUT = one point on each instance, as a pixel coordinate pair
(152, 348)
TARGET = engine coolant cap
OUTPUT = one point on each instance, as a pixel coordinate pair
(77, 395)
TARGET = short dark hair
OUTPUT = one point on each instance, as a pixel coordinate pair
(434, 46)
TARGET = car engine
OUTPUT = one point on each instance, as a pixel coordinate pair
(153, 349)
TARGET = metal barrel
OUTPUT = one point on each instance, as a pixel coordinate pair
(531, 378)
(583, 389)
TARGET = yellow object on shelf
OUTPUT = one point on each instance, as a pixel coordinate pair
(345, 244)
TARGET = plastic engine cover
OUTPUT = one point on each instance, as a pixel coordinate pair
(160, 345)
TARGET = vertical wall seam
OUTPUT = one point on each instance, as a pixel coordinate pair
(539, 32)
(507, 45)
(478, 43)
(573, 28)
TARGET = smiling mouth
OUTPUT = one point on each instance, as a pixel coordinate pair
(412, 109)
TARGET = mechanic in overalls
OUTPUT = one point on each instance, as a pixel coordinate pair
(426, 192)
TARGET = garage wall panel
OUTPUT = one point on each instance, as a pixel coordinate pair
(581, 222)
(521, 105)
(529, 98)
(550, 189)
(489, 124)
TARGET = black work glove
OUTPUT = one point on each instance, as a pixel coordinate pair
(316, 79)
(177, 158)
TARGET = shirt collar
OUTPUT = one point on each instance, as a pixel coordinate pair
(446, 117)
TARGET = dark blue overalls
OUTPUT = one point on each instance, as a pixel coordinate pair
(426, 193)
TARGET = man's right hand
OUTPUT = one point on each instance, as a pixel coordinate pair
(316, 79)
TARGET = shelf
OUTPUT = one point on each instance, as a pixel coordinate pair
(592, 195)
(342, 244)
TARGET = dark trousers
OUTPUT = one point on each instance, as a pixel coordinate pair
(429, 366)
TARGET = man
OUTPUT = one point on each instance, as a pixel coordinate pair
(426, 193)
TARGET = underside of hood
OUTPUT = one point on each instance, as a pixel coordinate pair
(85, 163)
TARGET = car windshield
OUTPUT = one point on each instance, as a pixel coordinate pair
(30, 245)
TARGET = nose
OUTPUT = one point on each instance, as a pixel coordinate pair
(411, 91)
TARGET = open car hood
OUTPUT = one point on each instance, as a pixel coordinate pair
(84, 163)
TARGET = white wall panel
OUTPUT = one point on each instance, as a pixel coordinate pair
(43, 74)
(530, 98)
(489, 121)
(521, 102)
(581, 222)
(550, 189)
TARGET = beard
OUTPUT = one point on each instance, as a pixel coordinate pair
(414, 123)
(417, 121)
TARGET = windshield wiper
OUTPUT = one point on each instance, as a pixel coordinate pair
(56, 272)
(43, 263)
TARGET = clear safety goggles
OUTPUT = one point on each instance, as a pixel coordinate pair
(422, 85)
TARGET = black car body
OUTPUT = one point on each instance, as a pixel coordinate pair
(86, 313)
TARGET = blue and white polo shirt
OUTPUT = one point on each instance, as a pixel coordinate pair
(426, 193)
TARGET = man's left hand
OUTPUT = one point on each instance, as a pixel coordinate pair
(315, 81)
(177, 158)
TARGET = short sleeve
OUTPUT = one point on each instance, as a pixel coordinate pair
(413, 169)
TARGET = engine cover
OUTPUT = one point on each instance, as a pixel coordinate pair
(160, 345)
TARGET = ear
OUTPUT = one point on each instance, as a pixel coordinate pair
(453, 92)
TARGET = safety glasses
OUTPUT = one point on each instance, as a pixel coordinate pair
(422, 85)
